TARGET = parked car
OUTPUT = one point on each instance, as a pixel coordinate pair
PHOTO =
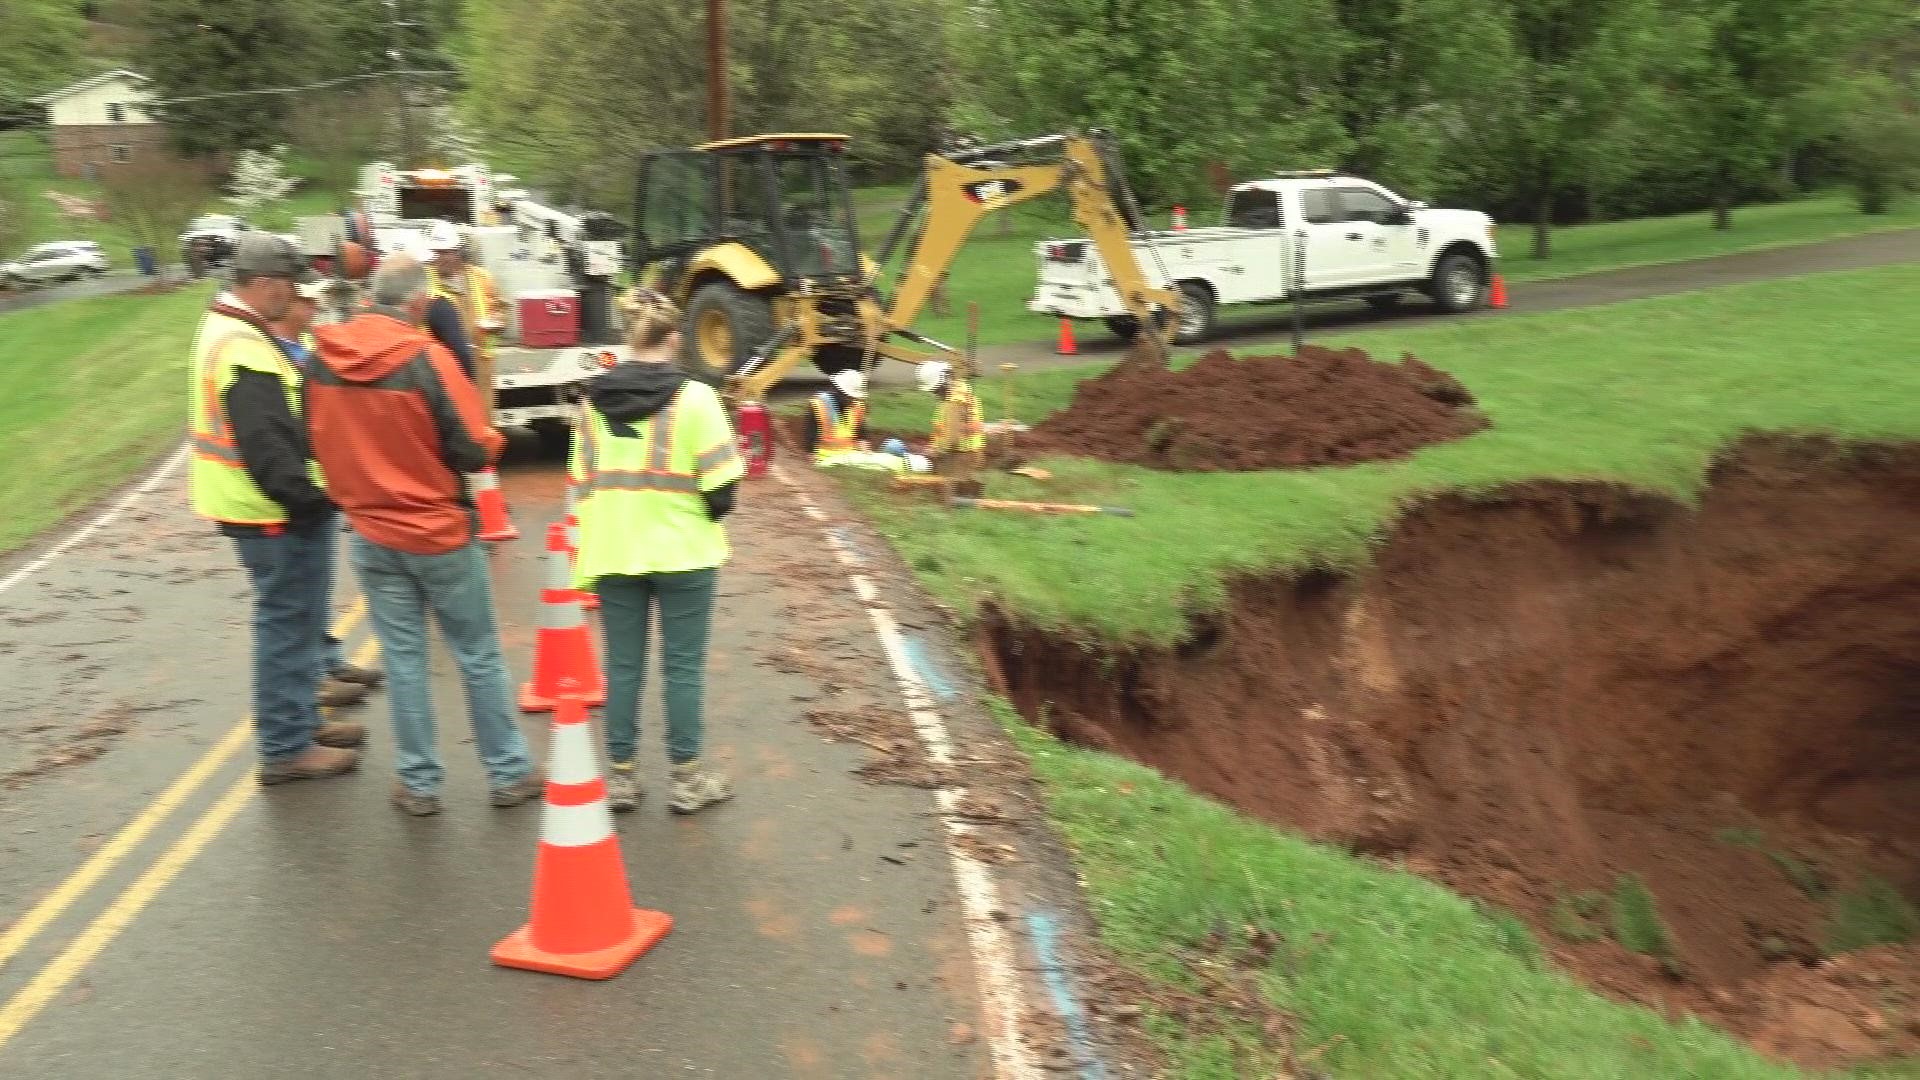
(207, 244)
(65, 260)
(1361, 241)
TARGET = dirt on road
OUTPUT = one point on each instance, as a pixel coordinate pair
(1320, 407)
(1537, 697)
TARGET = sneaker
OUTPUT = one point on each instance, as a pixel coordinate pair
(310, 764)
(359, 676)
(695, 788)
(344, 734)
(334, 694)
(527, 787)
(623, 789)
(417, 805)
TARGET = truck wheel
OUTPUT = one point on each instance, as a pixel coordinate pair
(1459, 282)
(555, 436)
(724, 324)
(1124, 327)
(1193, 323)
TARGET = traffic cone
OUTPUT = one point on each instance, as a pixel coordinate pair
(1497, 296)
(1067, 347)
(589, 600)
(563, 662)
(494, 523)
(583, 921)
(1179, 219)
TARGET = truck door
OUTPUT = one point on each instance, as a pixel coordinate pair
(1335, 251)
(1252, 249)
(1386, 248)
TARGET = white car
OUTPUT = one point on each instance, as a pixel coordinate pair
(67, 260)
(1321, 234)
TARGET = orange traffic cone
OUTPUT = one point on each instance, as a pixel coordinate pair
(583, 923)
(1497, 297)
(1067, 347)
(494, 523)
(563, 664)
(588, 600)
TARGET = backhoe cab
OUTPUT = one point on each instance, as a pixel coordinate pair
(756, 239)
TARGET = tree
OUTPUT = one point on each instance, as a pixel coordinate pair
(338, 131)
(153, 198)
(259, 178)
(43, 41)
(201, 47)
(1879, 140)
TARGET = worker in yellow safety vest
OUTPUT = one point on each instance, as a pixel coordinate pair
(471, 291)
(959, 442)
(654, 471)
(835, 431)
(253, 475)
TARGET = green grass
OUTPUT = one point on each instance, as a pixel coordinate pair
(1400, 977)
(997, 270)
(90, 391)
(1615, 245)
(1874, 913)
(1645, 393)
(1637, 925)
(26, 173)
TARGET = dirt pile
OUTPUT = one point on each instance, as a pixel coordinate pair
(1322, 407)
(1541, 697)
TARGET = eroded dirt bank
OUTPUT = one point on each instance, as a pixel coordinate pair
(1529, 696)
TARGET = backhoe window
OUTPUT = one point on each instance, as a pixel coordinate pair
(676, 208)
(816, 220)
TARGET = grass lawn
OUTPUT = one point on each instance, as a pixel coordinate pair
(1396, 975)
(26, 173)
(90, 391)
(997, 270)
(1644, 393)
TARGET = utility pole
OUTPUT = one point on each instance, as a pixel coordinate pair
(397, 61)
(718, 117)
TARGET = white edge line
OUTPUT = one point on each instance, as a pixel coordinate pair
(1002, 999)
(106, 518)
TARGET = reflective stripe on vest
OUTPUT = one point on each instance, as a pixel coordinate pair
(839, 434)
(641, 510)
(971, 436)
(218, 483)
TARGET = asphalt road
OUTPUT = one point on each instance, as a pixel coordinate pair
(115, 281)
(320, 933)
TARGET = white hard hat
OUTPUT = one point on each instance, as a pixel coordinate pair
(931, 374)
(315, 290)
(850, 382)
(443, 236)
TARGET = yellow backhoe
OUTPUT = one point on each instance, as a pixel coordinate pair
(756, 239)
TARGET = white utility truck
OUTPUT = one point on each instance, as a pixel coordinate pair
(1332, 236)
(547, 264)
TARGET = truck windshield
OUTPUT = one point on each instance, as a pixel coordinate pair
(446, 203)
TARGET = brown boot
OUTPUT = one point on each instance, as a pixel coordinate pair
(311, 764)
(354, 673)
(344, 734)
(335, 693)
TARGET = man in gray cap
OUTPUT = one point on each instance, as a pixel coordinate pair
(253, 475)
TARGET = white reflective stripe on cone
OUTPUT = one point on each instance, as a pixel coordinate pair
(562, 616)
(576, 826)
(571, 760)
(485, 480)
(559, 574)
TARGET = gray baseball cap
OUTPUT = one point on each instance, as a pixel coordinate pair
(262, 254)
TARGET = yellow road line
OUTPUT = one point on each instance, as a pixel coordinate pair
(38, 994)
(133, 832)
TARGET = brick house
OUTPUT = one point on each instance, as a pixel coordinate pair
(99, 122)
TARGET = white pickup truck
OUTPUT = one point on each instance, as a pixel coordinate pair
(1358, 239)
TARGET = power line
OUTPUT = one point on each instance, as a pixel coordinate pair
(344, 79)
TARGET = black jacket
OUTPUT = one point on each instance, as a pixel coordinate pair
(634, 391)
(443, 322)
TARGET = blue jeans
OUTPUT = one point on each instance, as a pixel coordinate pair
(401, 588)
(289, 579)
(332, 656)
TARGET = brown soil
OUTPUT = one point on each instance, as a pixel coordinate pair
(1321, 407)
(1527, 695)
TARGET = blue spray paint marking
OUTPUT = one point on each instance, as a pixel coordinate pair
(923, 664)
(845, 536)
(1046, 943)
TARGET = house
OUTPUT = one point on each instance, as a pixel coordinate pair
(100, 121)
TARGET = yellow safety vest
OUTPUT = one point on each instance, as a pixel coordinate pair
(957, 424)
(839, 432)
(639, 498)
(475, 307)
(217, 480)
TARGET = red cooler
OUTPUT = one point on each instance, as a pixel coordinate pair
(549, 318)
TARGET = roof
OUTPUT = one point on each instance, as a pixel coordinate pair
(89, 83)
(754, 140)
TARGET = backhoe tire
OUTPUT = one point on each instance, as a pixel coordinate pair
(723, 325)
(1459, 282)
